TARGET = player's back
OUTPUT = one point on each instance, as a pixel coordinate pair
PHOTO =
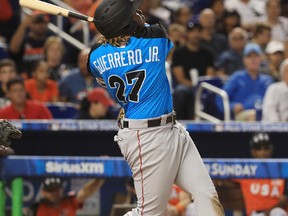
(135, 74)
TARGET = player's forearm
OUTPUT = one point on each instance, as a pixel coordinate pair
(88, 189)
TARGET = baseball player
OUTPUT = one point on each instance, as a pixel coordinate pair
(130, 61)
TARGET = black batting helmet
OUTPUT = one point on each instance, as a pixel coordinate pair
(113, 18)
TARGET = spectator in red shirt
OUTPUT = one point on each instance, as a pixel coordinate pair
(40, 87)
(20, 107)
(54, 203)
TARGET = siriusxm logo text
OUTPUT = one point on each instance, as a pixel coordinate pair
(82, 167)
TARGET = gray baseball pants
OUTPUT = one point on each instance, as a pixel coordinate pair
(159, 157)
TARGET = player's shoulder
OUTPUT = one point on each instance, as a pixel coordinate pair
(152, 31)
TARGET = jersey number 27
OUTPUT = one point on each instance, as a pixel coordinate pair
(117, 82)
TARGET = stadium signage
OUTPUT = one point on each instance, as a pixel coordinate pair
(221, 169)
(76, 168)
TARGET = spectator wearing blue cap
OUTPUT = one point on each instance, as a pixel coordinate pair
(246, 88)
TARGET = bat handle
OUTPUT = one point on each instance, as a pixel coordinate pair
(80, 16)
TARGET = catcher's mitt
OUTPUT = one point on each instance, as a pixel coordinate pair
(8, 131)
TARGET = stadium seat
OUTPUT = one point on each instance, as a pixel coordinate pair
(208, 97)
(61, 110)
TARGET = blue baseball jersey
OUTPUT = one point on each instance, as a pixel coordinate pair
(135, 74)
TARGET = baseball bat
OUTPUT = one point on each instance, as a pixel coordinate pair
(53, 9)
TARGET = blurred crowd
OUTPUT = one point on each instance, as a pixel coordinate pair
(239, 46)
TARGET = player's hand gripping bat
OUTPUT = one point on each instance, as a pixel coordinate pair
(53, 9)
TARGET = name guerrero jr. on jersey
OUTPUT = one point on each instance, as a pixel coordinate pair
(125, 58)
